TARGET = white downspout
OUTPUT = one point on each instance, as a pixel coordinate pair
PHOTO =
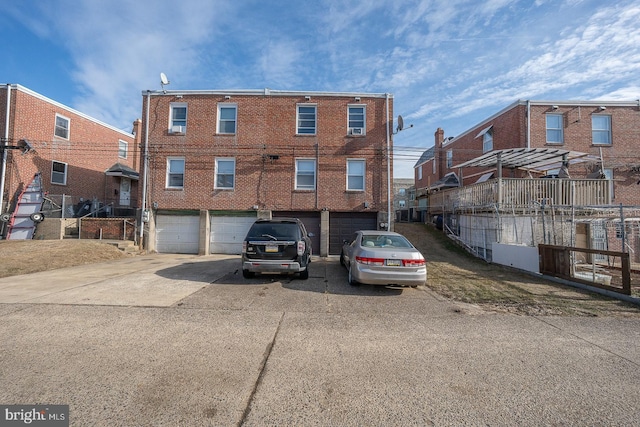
(388, 167)
(145, 165)
(3, 168)
(528, 124)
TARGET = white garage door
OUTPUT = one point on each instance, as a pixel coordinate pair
(228, 232)
(177, 234)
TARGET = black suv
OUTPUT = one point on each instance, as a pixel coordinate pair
(279, 245)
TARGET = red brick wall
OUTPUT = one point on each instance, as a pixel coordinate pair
(510, 131)
(90, 150)
(622, 155)
(266, 125)
(107, 228)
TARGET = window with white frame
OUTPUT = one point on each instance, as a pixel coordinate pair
(402, 203)
(449, 158)
(420, 172)
(175, 172)
(58, 173)
(305, 174)
(433, 166)
(306, 119)
(487, 141)
(227, 117)
(601, 129)
(123, 148)
(178, 119)
(355, 175)
(555, 129)
(356, 122)
(225, 173)
(62, 127)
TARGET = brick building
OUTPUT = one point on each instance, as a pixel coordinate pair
(604, 132)
(76, 155)
(217, 160)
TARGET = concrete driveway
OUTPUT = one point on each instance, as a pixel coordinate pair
(181, 340)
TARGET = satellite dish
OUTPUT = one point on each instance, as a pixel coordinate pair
(163, 79)
(400, 123)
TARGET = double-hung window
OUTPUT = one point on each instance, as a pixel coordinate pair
(62, 127)
(356, 120)
(601, 129)
(305, 174)
(555, 129)
(355, 175)
(178, 119)
(306, 119)
(58, 173)
(225, 173)
(449, 158)
(175, 172)
(227, 117)
(487, 141)
(123, 147)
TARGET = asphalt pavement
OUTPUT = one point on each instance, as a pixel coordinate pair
(183, 340)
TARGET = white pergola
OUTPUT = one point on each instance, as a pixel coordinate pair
(529, 159)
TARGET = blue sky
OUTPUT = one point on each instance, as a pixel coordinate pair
(448, 63)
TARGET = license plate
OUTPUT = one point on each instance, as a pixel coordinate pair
(394, 262)
(271, 248)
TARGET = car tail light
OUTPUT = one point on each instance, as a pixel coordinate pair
(301, 247)
(413, 262)
(370, 261)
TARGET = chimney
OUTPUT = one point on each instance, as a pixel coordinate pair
(438, 153)
(439, 137)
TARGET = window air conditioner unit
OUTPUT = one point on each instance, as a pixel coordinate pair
(177, 129)
(355, 131)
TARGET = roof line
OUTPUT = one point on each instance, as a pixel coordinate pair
(65, 107)
(264, 92)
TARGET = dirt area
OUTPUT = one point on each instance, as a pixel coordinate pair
(458, 275)
(452, 273)
(30, 256)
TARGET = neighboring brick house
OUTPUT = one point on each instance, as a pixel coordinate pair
(76, 155)
(217, 160)
(402, 201)
(606, 130)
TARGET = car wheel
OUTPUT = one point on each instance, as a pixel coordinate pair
(5, 217)
(352, 281)
(304, 274)
(37, 217)
(341, 259)
(247, 274)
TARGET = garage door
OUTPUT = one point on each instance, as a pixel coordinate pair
(228, 232)
(311, 221)
(342, 225)
(177, 234)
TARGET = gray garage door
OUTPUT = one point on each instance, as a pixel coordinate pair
(311, 221)
(343, 224)
(177, 234)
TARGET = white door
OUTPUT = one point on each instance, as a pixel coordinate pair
(177, 234)
(125, 191)
(228, 232)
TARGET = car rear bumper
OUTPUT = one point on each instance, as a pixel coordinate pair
(262, 266)
(371, 276)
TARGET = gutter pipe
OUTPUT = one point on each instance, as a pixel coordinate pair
(145, 165)
(388, 167)
(3, 168)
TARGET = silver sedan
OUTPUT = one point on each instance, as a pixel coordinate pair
(383, 258)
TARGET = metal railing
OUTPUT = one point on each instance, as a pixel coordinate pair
(518, 193)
